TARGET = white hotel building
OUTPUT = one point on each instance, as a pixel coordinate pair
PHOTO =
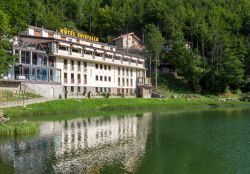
(55, 64)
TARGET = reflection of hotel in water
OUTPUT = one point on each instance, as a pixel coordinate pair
(81, 145)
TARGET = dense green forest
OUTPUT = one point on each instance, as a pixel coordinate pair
(217, 30)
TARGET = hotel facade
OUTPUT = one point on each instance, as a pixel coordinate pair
(68, 64)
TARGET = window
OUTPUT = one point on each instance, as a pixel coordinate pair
(54, 75)
(65, 78)
(42, 73)
(131, 72)
(105, 89)
(127, 82)
(34, 58)
(37, 33)
(88, 52)
(100, 89)
(26, 71)
(39, 59)
(105, 78)
(105, 67)
(45, 60)
(109, 90)
(131, 82)
(64, 48)
(79, 66)
(78, 89)
(25, 57)
(96, 66)
(72, 89)
(65, 64)
(109, 78)
(123, 71)
(109, 67)
(119, 81)
(76, 50)
(72, 78)
(96, 78)
(85, 79)
(127, 71)
(72, 65)
(96, 89)
(52, 61)
(98, 54)
(78, 78)
(100, 78)
(119, 69)
(100, 66)
(85, 64)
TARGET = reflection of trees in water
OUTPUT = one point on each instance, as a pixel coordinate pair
(81, 146)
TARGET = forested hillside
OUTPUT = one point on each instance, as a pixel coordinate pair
(217, 30)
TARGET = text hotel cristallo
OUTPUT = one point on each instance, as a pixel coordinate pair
(80, 35)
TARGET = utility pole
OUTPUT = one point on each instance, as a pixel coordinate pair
(156, 73)
(150, 67)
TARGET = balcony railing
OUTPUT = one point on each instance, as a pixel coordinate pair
(100, 58)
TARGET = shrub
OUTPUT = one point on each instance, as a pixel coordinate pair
(104, 94)
(84, 93)
(89, 94)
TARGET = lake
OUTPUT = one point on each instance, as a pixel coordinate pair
(209, 141)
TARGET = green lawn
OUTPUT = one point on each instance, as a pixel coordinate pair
(90, 105)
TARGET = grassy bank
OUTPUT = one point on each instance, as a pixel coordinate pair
(92, 107)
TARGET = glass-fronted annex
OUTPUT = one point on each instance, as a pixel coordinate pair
(34, 65)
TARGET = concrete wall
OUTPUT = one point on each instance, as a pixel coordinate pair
(45, 90)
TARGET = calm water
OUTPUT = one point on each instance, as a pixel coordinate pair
(194, 142)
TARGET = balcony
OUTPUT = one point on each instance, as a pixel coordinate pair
(76, 54)
(127, 61)
(144, 81)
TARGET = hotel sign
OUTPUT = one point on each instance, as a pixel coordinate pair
(77, 34)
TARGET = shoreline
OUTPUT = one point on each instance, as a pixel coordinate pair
(25, 120)
(90, 105)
